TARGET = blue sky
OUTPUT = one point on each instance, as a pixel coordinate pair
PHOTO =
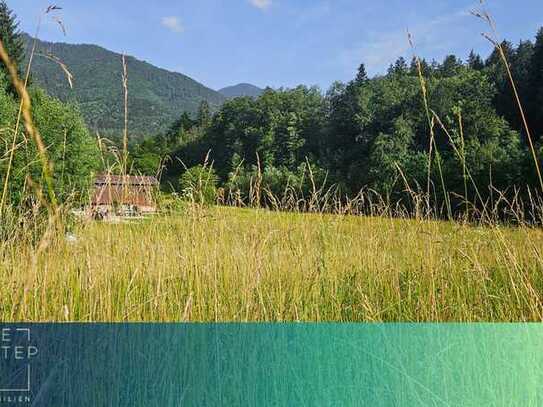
(280, 42)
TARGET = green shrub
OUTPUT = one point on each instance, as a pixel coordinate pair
(199, 184)
(71, 149)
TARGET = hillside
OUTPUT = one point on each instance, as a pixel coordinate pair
(157, 97)
(242, 89)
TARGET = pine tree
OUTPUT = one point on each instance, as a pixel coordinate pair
(451, 66)
(10, 37)
(425, 68)
(504, 98)
(204, 114)
(495, 57)
(535, 98)
(361, 76)
(399, 68)
(475, 61)
(520, 67)
(177, 132)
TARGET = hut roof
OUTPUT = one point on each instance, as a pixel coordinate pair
(123, 190)
(142, 180)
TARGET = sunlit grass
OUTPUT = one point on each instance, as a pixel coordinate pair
(227, 264)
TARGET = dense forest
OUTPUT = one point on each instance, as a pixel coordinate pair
(450, 130)
(374, 133)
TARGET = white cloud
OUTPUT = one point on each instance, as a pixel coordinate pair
(435, 36)
(261, 4)
(173, 24)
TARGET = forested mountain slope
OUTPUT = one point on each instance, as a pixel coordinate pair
(157, 97)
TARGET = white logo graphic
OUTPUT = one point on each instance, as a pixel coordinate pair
(16, 353)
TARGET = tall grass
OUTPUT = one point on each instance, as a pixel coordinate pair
(232, 264)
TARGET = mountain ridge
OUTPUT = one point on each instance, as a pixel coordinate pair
(156, 96)
(241, 89)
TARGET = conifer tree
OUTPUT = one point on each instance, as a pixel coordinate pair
(10, 37)
(361, 75)
(475, 61)
(535, 98)
(204, 114)
(399, 67)
(451, 66)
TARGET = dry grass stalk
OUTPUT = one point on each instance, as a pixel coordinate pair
(432, 142)
(26, 106)
(125, 132)
(62, 65)
(493, 38)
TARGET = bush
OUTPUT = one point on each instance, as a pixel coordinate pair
(275, 183)
(199, 184)
(71, 149)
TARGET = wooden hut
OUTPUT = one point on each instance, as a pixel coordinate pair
(128, 195)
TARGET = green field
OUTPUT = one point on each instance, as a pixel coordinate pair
(228, 264)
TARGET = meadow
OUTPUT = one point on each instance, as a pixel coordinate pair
(455, 171)
(232, 264)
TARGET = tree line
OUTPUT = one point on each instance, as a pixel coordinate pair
(458, 131)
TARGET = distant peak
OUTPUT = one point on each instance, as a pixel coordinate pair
(241, 89)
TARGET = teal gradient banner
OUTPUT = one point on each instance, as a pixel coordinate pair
(270, 365)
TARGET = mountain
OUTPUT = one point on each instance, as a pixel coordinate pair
(242, 89)
(156, 97)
